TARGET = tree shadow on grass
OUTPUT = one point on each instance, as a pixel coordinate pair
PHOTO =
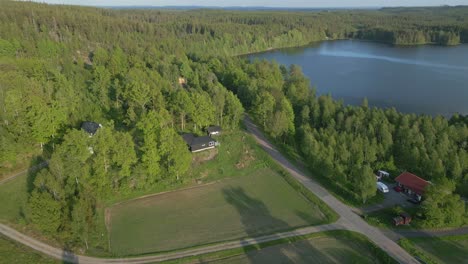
(35, 166)
(258, 221)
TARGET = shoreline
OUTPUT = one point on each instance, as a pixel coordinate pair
(271, 49)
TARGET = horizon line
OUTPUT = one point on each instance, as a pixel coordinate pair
(244, 6)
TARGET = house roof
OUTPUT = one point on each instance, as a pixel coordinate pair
(193, 140)
(90, 127)
(212, 129)
(412, 182)
(188, 138)
(201, 140)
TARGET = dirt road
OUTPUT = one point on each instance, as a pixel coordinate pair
(349, 218)
(348, 221)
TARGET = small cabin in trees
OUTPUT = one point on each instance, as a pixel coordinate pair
(182, 81)
(382, 174)
(197, 144)
(90, 127)
(213, 130)
(412, 185)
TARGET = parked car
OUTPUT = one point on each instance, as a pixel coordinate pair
(398, 189)
(413, 201)
(382, 187)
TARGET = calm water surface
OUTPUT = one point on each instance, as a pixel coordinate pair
(422, 79)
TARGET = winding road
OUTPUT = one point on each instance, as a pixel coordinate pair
(349, 220)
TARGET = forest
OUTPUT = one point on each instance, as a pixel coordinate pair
(62, 65)
(346, 144)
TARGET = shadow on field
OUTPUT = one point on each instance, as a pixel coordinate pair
(257, 221)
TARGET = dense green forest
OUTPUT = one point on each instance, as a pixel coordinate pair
(62, 65)
(347, 144)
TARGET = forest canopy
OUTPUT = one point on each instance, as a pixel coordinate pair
(62, 65)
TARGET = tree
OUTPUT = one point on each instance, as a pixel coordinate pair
(149, 126)
(263, 107)
(441, 207)
(204, 111)
(233, 111)
(364, 183)
(182, 105)
(45, 212)
(82, 217)
(118, 62)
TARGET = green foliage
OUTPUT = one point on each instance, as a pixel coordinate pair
(441, 207)
(346, 144)
(413, 250)
(363, 181)
(8, 48)
(45, 212)
(58, 71)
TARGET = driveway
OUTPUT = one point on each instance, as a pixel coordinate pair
(391, 199)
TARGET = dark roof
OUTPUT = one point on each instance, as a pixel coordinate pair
(201, 140)
(90, 127)
(188, 138)
(212, 129)
(413, 182)
(196, 143)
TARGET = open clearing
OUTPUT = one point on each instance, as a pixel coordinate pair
(451, 249)
(14, 196)
(234, 208)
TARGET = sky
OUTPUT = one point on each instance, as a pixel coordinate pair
(265, 3)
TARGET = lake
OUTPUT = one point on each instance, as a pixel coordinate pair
(418, 79)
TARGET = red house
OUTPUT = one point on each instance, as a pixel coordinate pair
(412, 184)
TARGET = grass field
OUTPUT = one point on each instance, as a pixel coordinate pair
(14, 196)
(11, 252)
(314, 250)
(447, 249)
(337, 246)
(245, 206)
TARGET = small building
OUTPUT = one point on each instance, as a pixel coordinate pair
(197, 144)
(182, 81)
(213, 130)
(412, 185)
(90, 127)
(402, 219)
(382, 174)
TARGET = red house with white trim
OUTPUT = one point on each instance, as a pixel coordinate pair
(412, 184)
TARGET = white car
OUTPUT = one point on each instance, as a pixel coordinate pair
(382, 187)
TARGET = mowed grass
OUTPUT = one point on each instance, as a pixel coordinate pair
(325, 249)
(246, 206)
(335, 246)
(449, 249)
(13, 197)
(12, 252)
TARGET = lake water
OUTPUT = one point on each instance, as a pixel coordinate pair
(419, 79)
